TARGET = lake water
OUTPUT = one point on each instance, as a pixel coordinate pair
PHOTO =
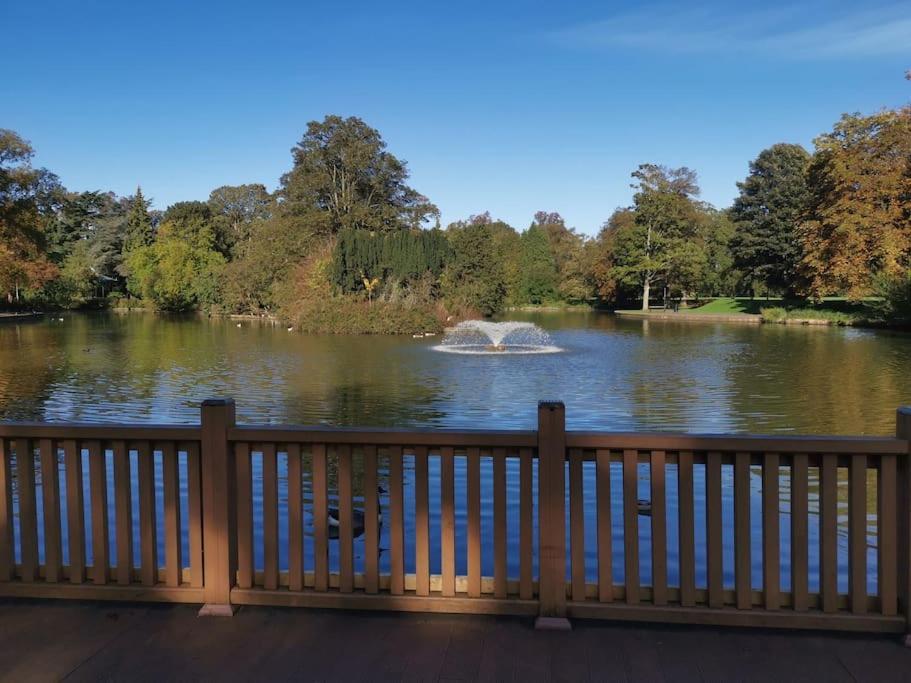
(612, 374)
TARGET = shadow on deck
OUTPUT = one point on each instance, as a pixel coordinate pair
(106, 641)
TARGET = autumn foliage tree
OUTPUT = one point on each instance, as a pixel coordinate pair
(858, 218)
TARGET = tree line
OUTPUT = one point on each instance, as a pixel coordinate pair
(346, 244)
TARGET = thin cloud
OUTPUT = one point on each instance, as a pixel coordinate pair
(879, 33)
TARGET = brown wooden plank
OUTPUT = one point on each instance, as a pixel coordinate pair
(98, 489)
(605, 537)
(447, 520)
(800, 547)
(396, 522)
(28, 510)
(659, 528)
(857, 534)
(526, 523)
(576, 525)
(887, 535)
(714, 537)
(320, 518)
(686, 529)
(148, 535)
(7, 547)
(170, 471)
(771, 532)
(828, 536)
(194, 512)
(345, 520)
(123, 513)
(421, 523)
(50, 492)
(371, 522)
(499, 523)
(244, 467)
(631, 524)
(742, 563)
(295, 519)
(270, 516)
(474, 522)
(75, 510)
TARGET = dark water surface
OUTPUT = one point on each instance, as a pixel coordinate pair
(613, 375)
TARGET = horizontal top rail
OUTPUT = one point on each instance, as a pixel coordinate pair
(98, 431)
(667, 441)
(746, 443)
(379, 437)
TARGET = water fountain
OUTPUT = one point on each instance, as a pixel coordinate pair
(484, 337)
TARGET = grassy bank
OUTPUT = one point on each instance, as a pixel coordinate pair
(343, 316)
(832, 310)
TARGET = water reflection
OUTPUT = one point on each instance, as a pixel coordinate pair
(615, 375)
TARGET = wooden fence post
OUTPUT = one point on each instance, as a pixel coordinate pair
(903, 431)
(219, 507)
(552, 516)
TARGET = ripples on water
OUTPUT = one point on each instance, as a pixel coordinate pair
(612, 375)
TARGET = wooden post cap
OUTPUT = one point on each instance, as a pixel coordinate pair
(217, 402)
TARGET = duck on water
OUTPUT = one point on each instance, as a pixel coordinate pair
(358, 523)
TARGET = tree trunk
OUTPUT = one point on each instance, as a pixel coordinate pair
(646, 288)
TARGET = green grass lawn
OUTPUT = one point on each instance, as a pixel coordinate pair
(837, 309)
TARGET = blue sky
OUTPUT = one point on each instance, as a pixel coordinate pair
(500, 106)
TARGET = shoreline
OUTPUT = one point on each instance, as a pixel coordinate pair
(750, 319)
(670, 316)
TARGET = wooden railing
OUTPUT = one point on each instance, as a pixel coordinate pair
(803, 532)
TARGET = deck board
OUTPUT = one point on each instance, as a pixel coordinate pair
(96, 641)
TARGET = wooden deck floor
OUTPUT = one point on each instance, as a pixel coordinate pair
(90, 641)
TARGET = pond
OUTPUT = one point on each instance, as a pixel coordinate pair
(612, 374)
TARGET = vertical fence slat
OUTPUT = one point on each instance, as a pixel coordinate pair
(828, 533)
(800, 548)
(397, 522)
(474, 523)
(345, 520)
(857, 534)
(295, 519)
(28, 511)
(659, 528)
(686, 532)
(526, 524)
(270, 516)
(421, 523)
(123, 513)
(713, 535)
(887, 579)
(194, 511)
(147, 527)
(98, 489)
(499, 523)
(447, 520)
(75, 510)
(576, 525)
(50, 492)
(243, 465)
(172, 550)
(771, 532)
(742, 566)
(7, 549)
(631, 524)
(371, 522)
(320, 518)
(605, 554)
